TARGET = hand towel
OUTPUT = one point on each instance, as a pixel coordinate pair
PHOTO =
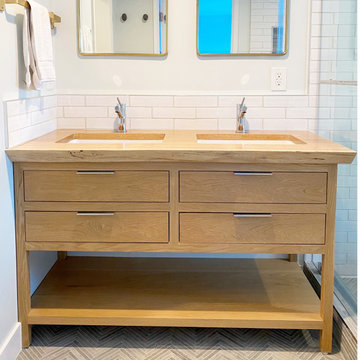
(38, 50)
(86, 39)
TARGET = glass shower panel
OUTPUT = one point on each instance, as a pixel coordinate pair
(338, 122)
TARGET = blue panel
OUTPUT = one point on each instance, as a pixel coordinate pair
(215, 22)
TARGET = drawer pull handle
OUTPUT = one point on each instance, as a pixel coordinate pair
(252, 215)
(80, 172)
(249, 173)
(83, 213)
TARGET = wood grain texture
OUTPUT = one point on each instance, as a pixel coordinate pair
(267, 187)
(22, 260)
(301, 201)
(124, 186)
(182, 146)
(176, 292)
(123, 227)
(179, 248)
(225, 228)
(327, 270)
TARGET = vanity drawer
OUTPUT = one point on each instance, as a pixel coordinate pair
(111, 186)
(230, 228)
(116, 227)
(253, 187)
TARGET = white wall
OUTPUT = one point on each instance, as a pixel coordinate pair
(11, 88)
(8, 298)
(188, 73)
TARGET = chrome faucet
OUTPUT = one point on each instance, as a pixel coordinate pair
(120, 124)
(241, 119)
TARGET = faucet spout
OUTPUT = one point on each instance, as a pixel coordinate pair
(120, 110)
(241, 119)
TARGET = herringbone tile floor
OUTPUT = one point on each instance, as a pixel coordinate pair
(136, 343)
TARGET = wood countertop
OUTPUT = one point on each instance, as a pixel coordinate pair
(182, 146)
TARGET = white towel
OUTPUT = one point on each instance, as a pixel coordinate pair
(86, 39)
(37, 46)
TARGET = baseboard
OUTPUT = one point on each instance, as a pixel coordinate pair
(11, 347)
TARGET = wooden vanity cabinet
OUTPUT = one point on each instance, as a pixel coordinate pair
(184, 208)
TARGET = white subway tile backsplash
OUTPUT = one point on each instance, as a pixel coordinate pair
(30, 118)
(59, 112)
(23, 106)
(138, 112)
(18, 122)
(234, 100)
(158, 101)
(266, 113)
(172, 113)
(196, 101)
(100, 100)
(152, 124)
(71, 123)
(71, 100)
(286, 101)
(301, 113)
(43, 115)
(31, 132)
(100, 123)
(216, 113)
(84, 111)
(195, 124)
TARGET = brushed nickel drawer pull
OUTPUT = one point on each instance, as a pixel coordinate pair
(80, 172)
(105, 213)
(249, 173)
(237, 215)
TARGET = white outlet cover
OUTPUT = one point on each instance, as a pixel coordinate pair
(278, 79)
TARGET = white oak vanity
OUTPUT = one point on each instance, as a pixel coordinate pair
(177, 194)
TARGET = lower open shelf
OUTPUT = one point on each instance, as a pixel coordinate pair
(238, 293)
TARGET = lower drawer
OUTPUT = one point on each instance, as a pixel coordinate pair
(230, 228)
(114, 227)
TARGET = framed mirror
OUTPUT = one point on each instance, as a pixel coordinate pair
(242, 27)
(122, 27)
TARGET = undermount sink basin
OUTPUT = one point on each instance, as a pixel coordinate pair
(248, 139)
(113, 138)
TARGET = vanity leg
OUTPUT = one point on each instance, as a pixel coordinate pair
(22, 260)
(293, 257)
(24, 298)
(327, 267)
(61, 255)
(327, 293)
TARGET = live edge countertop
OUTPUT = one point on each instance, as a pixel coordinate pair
(182, 146)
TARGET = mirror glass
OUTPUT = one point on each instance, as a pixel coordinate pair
(242, 27)
(122, 27)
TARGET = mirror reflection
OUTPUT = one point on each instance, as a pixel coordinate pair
(122, 27)
(242, 27)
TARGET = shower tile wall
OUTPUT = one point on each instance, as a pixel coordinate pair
(264, 16)
(338, 117)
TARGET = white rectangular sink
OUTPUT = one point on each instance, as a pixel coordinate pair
(248, 142)
(113, 141)
(113, 138)
(248, 139)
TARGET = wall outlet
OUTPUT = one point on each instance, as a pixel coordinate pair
(278, 79)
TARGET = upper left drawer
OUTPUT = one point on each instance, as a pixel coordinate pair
(99, 186)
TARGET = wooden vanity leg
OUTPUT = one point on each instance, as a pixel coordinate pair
(62, 255)
(24, 299)
(22, 260)
(293, 257)
(327, 268)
